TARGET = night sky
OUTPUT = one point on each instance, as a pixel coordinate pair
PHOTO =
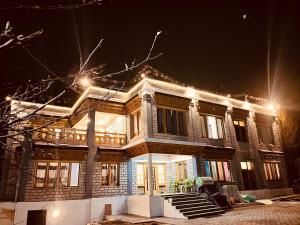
(213, 45)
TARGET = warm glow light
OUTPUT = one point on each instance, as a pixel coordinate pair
(85, 82)
(8, 98)
(246, 105)
(191, 92)
(143, 75)
(271, 106)
(56, 213)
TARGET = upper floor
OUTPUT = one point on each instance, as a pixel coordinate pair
(155, 110)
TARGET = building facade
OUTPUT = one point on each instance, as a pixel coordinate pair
(146, 141)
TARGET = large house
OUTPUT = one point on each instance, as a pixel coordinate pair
(127, 148)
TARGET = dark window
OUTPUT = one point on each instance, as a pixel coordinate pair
(265, 134)
(36, 217)
(240, 130)
(171, 122)
(248, 175)
(160, 120)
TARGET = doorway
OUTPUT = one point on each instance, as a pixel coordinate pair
(36, 217)
(158, 173)
(248, 175)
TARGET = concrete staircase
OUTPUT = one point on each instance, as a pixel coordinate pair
(190, 206)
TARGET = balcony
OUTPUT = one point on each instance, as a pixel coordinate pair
(73, 136)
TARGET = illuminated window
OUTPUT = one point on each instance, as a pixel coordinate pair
(240, 130)
(140, 175)
(41, 174)
(272, 170)
(181, 170)
(52, 179)
(135, 124)
(218, 170)
(212, 127)
(110, 174)
(247, 165)
(161, 174)
(171, 121)
(57, 173)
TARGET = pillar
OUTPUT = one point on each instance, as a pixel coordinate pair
(150, 175)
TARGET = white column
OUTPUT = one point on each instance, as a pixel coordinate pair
(150, 175)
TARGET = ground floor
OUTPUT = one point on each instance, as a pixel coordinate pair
(276, 214)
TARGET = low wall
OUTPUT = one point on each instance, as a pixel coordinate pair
(269, 193)
(145, 205)
(75, 212)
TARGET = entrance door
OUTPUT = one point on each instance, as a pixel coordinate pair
(36, 217)
(248, 175)
(158, 173)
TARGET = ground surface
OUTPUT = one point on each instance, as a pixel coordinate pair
(280, 213)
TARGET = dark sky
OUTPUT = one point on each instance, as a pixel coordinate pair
(205, 43)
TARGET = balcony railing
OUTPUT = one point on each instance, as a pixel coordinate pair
(78, 137)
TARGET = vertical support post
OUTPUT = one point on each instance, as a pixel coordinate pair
(147, 111)
(25, 158)
(150, 175)
(91, 153)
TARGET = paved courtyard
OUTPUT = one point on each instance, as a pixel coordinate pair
(281, 213)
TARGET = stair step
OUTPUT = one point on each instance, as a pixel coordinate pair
(193, 216)
(201, 211)
(197, 208)
(189, 205)
(187, 198)
(179, 196)
(182, 202)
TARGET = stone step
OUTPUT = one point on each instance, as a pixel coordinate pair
(179, 195)
(184, 202)
(189, 205)
(197, 211)
(197, 215)
(197, 207)
(187, 198)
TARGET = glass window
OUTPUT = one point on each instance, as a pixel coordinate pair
(218, 170)
(272, 170)
(161, 174)
(41, 174)
(110, 174)
(52, 177)
(64, 174)
(134, 124)
(74, 180)
(265, 134)
(171, 122)
(213, 128)
(140, 175)
(114, 174)
(181, 171)
(240, 130)
(104, 174)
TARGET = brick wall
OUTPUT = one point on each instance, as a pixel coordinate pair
(109, 191)
(34, 194)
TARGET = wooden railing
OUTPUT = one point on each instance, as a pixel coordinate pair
(73, 136)
(110, 139)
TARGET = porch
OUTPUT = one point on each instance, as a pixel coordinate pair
(158, 174)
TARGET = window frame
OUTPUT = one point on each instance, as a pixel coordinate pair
(240, 130)
(204, 116)
(177, 128)
(260, 139)
(272, 175)
(217, 169)
(109, 174)
(134, 122)
(57, 183)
